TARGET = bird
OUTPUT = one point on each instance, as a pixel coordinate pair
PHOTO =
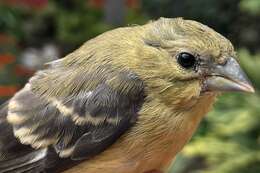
(126, 101)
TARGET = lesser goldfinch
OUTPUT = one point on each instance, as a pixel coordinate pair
(126, 101)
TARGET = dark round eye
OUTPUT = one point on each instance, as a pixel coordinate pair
(186, 60)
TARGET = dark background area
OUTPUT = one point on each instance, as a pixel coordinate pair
(33, 32)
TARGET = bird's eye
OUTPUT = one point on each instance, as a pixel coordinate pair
(186, 60)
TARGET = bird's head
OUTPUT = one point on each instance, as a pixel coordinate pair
(183, 60)
(180, 61)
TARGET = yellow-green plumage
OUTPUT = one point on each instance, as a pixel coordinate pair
(128, 49)
(139, 65)
(173, 107)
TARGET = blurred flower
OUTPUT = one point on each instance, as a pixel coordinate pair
(20, 70)
(6, 39)
(34, 58)
(7, 90)
(96, 3)
(133, 3)
(6, 59)
(28, 3)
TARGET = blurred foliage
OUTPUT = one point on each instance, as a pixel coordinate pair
(228, 140)
(250, 6)
(68, 23)
(232, 18)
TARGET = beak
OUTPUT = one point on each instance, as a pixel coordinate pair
(228, 77)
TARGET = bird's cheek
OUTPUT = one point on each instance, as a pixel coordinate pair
(189, 96)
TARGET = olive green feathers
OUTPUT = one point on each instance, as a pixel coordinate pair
(126, 101)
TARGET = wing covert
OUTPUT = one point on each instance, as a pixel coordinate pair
(82, 123)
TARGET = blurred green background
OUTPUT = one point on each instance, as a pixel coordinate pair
(33, 32)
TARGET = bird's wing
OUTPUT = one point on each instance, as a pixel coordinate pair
(81, 123)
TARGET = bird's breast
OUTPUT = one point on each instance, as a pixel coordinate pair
(152, 143)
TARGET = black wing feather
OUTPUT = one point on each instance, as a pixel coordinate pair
(79, 125)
